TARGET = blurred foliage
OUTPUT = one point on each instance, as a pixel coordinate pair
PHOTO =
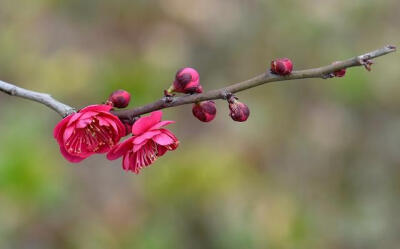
(315, 166)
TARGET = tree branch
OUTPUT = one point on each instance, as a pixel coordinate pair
(167, 102)
(321, 72)
(43, 98)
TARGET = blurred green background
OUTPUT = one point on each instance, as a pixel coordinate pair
(317, 165)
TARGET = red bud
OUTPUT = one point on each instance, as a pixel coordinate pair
(187, 80)
(340, 72)
(119, 98)
(205, 111)
(283, 66)
(239, 111)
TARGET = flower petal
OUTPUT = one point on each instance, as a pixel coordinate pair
(163, 139)
(161, 124)
(82, 123)
(69, 157)
(145, 123)
(102, 121)
(112, 120)
(61, 125)
(120, 149)
(68, 132)
(137, 147)
(103, 149)
(87, 114)
(169, 133)
(145, 136)
(74, 117)
(96, 108)
(134, 165)
(126, 161)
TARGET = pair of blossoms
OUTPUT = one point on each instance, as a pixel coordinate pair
(95, 130)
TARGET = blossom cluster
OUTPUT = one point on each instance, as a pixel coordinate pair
(95, 130)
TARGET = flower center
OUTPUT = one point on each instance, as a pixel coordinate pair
(91, 138)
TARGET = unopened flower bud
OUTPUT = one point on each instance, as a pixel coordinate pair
(119, 98)
(282, 66)
(205, 111)
(340, 72)
(239, 111)
(187, 80)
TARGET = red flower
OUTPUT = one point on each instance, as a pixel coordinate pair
(91, 130)
(149, 141)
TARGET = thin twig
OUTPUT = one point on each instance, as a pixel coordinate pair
(321, 72)
(43, 98)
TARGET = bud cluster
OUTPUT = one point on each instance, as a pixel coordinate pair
(187, 80)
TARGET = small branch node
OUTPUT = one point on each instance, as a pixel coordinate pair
(168, 99)
(231, 98)
(366, 62)
(328, 76)
(226, 94)
(12, 91)
(69, 111)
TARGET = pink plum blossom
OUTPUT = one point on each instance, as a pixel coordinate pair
(148, 142)
(91, 130)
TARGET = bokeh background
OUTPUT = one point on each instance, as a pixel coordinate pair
(317, 165)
